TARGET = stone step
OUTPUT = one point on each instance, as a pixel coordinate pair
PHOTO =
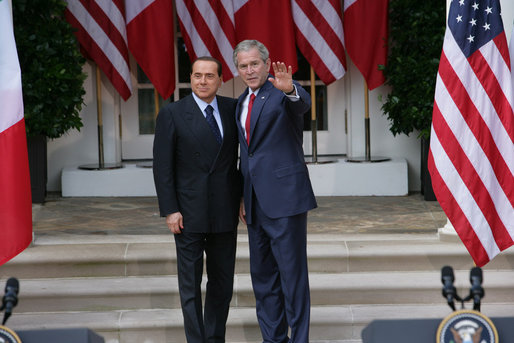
(125, 287)
(328, 323)
(103, 256)
(161, 292)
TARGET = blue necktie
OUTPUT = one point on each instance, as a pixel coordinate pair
(212, 123)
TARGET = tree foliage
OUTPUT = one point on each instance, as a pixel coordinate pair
(51, 67)
(416, 32)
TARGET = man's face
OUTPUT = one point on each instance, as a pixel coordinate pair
(253, 70)
(205, 80)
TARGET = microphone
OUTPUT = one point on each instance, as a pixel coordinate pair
(449, 291)
(10, 298)
(476, 291)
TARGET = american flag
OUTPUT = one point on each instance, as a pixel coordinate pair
(208, 30)
(102, 34)
(214, 27)
(319, 36)
(471, 158)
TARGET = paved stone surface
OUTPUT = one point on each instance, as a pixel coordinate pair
(139, 215)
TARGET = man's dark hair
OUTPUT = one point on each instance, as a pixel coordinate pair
(207, 58)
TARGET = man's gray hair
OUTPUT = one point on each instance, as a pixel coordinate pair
(249, 44)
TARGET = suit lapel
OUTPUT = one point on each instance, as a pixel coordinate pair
(225, 116)
(239, 108)
(200, 128)
(258, 105)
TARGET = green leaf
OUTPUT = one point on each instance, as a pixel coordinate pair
(51, 65)
(415, 40)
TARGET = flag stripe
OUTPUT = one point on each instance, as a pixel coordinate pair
(103, 40)
(468, 123)
(271, 23)
(453, 210)
(475, 181)
(15, 197)
(134, 8)
(477, 96)
(511, 51)
(471, 157)
(111, 21)
(472, 216)
(15, 192)
(448, 96)
(316, 44)
(322, 17)
(208, 30)
(118, 80)
(195, 45)
(211, 28)
(501, 45)
(314, 59)
(225, 14)
(491, 85)
(319, 36)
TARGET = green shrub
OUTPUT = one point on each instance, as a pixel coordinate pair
(51, 67)
(416, 32)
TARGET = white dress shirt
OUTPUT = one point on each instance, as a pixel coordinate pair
(244, 105)
(214, 103)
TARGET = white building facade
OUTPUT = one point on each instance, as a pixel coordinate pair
(128, 138)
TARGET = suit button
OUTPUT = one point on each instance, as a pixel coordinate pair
(251, 155)
(197, 154)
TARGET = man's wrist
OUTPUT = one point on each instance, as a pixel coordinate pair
(291, 92)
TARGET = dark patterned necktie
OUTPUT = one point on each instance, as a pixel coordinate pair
(212, 123)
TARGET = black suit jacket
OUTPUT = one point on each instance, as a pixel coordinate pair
(193, 174)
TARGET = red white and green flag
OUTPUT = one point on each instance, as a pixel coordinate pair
(15, 194)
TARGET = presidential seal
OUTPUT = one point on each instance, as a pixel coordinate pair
(467, 326)
(8, 336)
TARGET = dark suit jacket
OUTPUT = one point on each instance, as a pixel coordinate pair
(274, 164)
(192, 173)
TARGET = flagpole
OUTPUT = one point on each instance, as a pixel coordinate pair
(314, 122)
(156, 102)
(366, 122)
(100, 118)
(367, 134)
(149, 164)
(101, 164)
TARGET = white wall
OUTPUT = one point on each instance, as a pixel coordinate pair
(76, 148)
(382, 141)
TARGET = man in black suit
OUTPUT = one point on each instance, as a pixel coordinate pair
(198, 188)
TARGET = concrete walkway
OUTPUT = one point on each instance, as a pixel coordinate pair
(139, 216)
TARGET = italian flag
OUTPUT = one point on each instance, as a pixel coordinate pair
(15, 193)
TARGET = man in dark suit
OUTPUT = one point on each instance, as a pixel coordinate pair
(199, 191)
(277, 192)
